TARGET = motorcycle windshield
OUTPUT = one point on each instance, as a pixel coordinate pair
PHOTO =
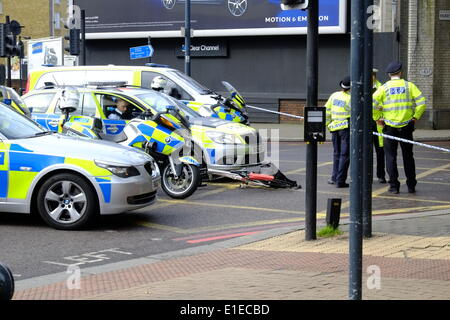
(178, 112)
(189, 82)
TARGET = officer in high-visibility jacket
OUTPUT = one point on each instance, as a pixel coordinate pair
(397, 105)
(338, 121)
(378, 141)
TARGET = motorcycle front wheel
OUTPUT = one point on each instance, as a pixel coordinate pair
(183, 186)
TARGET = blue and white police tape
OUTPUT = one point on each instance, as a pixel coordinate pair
(277, 112)
(375, 133)
(411, 142)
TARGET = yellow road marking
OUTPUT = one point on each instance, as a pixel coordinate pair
(403, 210)
(411, 199)
(220, 227)
(242, 225)
(205, 204)
(303, 169)
(160, 227)
(385, 189)
(435, 182)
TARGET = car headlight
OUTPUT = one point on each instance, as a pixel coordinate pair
(205, 111)
(223, 138)
(155, 168)
(120, 171)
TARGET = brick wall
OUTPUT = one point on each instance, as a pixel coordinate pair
(428, 57)
(295, 107)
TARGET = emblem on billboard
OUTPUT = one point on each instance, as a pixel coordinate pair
(236, 7)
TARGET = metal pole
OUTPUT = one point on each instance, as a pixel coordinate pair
(20, 66)
(311, 101)
(368, 136)
(149, 43)
(8, 59)
(356, 143)
(187, 38)
(83, 37)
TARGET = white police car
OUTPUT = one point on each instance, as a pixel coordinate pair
(69, 180)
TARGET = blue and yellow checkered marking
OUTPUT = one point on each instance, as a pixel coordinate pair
(3, 184)
(19, 167)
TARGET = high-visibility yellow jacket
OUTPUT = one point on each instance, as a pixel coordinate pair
(376, 85)
(397, 102)
(338, 110)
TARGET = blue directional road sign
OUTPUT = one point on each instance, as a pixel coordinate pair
(141, 52)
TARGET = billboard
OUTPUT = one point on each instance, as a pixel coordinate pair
(46, 51)
(109, 19)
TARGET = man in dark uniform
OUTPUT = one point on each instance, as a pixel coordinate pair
(120, 112)
(397, 105)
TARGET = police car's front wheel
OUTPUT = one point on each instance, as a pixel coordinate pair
(65, 201)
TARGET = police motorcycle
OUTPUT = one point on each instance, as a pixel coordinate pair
(158, 135)
(232, 108)
(234, 105)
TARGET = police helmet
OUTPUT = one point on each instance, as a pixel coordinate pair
(159, 83)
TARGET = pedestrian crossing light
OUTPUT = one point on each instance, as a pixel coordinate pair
(294, 4)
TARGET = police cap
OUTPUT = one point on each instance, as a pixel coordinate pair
(345, 83)
(394, 67)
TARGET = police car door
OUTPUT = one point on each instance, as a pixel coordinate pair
(4, 168)
(41, 105)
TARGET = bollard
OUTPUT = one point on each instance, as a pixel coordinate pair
(333, 212)
(6, 283)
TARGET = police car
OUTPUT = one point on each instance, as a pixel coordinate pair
(224, 145)
(68, 180)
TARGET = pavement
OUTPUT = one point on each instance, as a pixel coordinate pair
(407, 258)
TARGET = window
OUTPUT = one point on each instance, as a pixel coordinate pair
(39, 102)
(15, 126)
(89, 107)
(171, 88)
(108, 104)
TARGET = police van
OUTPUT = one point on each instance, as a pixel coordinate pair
(179, 85)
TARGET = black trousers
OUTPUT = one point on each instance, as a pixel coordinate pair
(341, 155)
(379, 153)
(390, 149)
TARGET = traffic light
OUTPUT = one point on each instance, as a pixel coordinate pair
(8, 41)
(73, 37)
(294, 4)
(3, 33)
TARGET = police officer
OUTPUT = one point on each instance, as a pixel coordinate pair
(338, 120)
(120, 112)
(377, 140)
(397, 105)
